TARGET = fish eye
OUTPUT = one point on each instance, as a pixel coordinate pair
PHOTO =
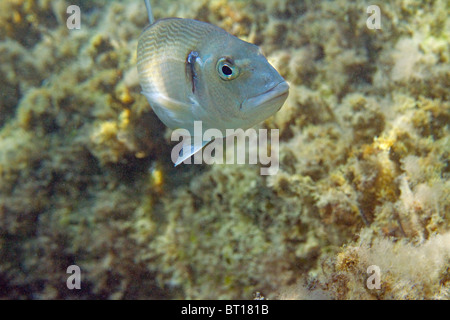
(226, 69)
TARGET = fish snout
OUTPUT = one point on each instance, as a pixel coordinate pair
(271, 99)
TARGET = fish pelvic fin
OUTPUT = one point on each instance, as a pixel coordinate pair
(189, 150)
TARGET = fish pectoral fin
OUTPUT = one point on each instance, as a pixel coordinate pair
(172, 112)
(159, 99)
(189, 150)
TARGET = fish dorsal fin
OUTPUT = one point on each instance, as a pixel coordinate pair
(151, 19)
(189, 150)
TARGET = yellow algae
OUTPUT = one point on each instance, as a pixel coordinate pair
(106, 131)
(125, 97)
(157, 178)
(17, 18)
(124, 119)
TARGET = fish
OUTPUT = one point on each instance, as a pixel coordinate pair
(192, 71)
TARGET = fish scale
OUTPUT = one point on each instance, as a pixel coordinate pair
(166, 39)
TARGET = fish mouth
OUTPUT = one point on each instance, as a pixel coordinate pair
(274, 97)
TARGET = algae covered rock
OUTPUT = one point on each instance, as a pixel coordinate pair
(363, 179)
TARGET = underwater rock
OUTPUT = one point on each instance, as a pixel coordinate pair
(86, 176)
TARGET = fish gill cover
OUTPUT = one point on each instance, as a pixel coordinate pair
(362, 188)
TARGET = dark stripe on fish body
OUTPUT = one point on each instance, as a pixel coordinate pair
(190, 68)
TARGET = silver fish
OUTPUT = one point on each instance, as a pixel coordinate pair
(194, 71)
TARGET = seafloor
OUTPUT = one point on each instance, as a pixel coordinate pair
(87, 180)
